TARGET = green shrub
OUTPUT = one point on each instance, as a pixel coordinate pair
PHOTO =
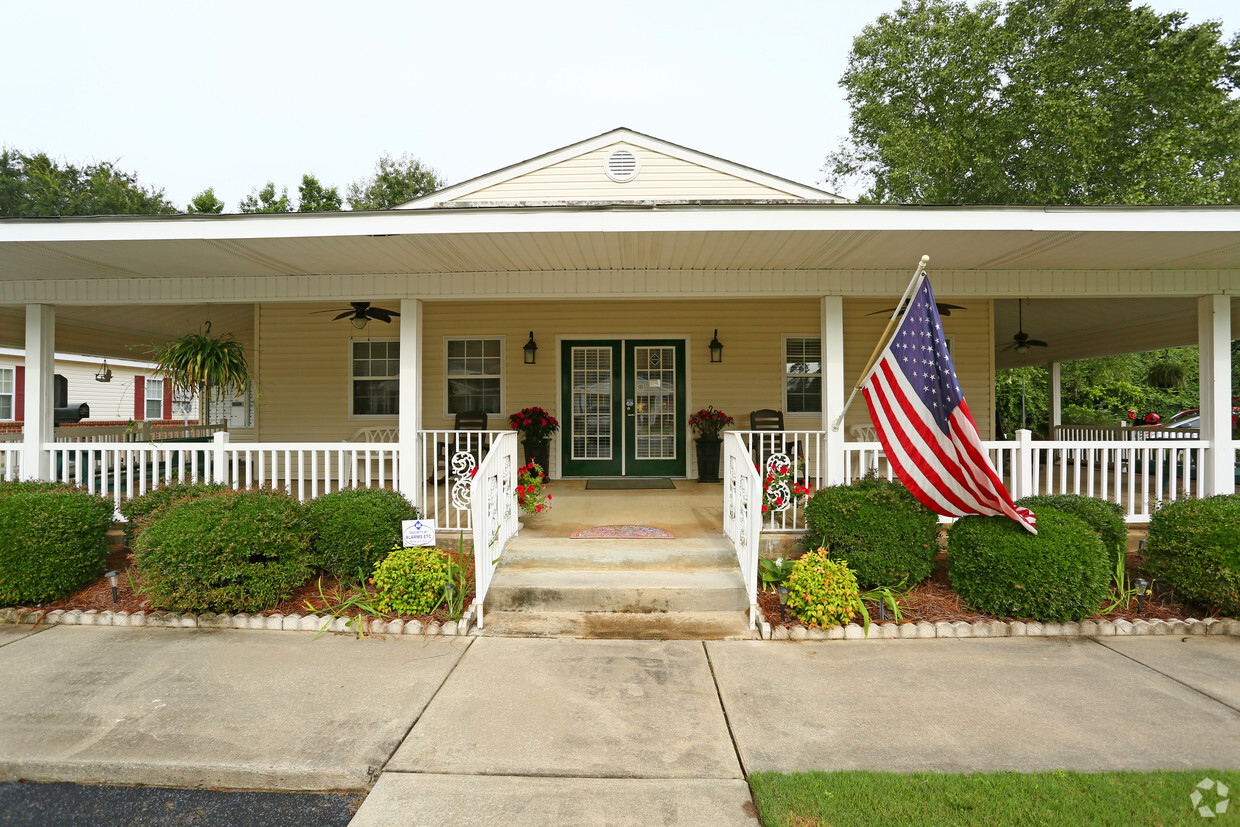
(1061, 573)
(237, 551)
(1193, 546)
(26, 486)
(138, 510)
(354, 528)
(876, 526)
(822, 592)
(410, 581)
(1104, 517)
(52, 540)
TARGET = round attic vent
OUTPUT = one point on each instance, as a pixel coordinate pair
(622, 166)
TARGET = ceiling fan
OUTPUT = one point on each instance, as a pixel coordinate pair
(945, 309)
(360, 314)
(1021, 341)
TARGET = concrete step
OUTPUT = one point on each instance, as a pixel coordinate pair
(708, 590)
(620, 625)
(627, 555)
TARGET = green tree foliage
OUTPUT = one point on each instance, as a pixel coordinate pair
(314, 197)
(265, 200)
(35, 185)
(205, 202)
(1098, 391)
(1041, 102)
(395, 182)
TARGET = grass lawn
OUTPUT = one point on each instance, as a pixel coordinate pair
(840, 799)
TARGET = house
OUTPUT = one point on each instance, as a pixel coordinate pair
(622, 258)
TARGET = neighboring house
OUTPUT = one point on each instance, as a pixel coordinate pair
(133, 391)
(621, 257)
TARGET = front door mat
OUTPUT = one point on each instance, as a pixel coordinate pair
(623, 532)
(631, 484)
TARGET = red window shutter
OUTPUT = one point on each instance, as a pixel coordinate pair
(167, 399)
(139, 397)
(19, 397)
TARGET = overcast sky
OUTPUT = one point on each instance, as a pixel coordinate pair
(232, 94)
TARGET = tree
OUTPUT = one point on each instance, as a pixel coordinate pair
(265, 200)
(36, 185)
(1041, 102)
(395, 182)
(314, 197)
(205, 202)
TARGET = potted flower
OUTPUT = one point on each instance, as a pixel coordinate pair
(708, 422)
(532, 496)
(536, 427)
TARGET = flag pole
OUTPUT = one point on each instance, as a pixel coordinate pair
(882, 342)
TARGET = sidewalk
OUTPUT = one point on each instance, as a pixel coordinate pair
(523, 731)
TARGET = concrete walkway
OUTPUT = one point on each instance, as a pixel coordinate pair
(564, 731)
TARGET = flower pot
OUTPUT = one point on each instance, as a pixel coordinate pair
(538, 451)
(709, 447)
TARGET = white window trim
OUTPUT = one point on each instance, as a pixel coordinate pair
(503, 375)
(350, 378)
(783, 374)
(12, 371)
(147, 398)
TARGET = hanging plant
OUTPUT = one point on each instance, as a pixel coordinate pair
(195, 361)
(1166, 375)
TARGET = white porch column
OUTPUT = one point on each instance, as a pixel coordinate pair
(833, 381)
(1214, 369)
(40, 367)
(1054, 396)
(411, 471)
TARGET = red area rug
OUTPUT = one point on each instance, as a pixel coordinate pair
(623, 532)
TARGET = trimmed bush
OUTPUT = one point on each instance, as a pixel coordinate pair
(410, 581)
(822, 592)
(1061, 573)
(1104, 517)
(1193, 546)
(238, 551)
(354, 528)
(140, 509)
(53, 540)
(878, 528)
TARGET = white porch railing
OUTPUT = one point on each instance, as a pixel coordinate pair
(448, 460)
(493, 509)
(142, 431)
(742, 511)
(1135, 434)
(804, 450)
(10, 460)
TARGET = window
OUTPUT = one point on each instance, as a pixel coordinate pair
(802, 374)
(154, 399)
(8, 393)
(474, 375)
(375, 377)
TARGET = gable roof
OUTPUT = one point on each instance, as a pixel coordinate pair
(683, 175)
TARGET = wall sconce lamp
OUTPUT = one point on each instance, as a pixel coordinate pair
(530, 348)
(104, 373)
(716, 348)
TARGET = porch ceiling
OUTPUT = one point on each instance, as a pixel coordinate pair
(123, 332)
(685, 237)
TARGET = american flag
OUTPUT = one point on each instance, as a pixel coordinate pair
(924, 424)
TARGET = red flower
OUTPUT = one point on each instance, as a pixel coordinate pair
(537, 508)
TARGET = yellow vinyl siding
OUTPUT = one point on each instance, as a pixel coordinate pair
(970, 332)
(304, 385)
(660, 177)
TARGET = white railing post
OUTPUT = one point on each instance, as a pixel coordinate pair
(1024, 464)
(219, 457)
(742, 512)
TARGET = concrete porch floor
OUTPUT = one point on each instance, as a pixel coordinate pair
(693, 510)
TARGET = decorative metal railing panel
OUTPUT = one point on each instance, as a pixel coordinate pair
(799, 453)
(448, 461)
(493, 510)
(742, 511)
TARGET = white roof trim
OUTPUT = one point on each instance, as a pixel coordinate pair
(791, 217)
(458, 192)
(84, 360)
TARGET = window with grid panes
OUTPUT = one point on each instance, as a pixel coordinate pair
(474, 375)
(802, 374)
(153, 403)
(375, 377)
(8, 393)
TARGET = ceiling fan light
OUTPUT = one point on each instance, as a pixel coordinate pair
(359, 321)
(1022, 348)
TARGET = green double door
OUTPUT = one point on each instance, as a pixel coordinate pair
(625, 404)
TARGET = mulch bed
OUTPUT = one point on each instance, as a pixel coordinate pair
(319, 595)
(934, 600)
